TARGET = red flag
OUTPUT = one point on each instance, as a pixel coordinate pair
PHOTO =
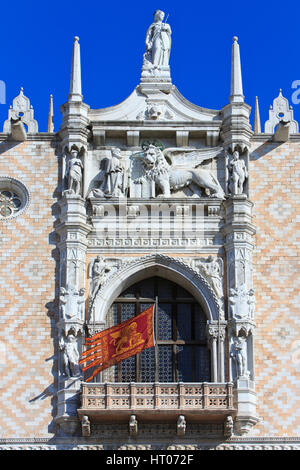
(108, 347)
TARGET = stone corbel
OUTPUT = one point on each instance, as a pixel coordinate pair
(181, 426)
(85, 426)
(228, 427)
(133, 426)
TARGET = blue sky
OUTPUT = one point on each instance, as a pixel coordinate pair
(36, 47)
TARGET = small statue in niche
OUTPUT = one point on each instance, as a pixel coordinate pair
(239, 355)
(74, 172)
(239, 174)
(68, 345)
(158, 41)
(98, 269)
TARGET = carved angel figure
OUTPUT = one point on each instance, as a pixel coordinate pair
(170, 171)
(68, 345)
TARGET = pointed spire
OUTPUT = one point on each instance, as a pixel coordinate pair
(257, 125)
(236, 90)
(75, 85)
(50, 126)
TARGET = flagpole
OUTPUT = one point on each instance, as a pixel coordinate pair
(155, 338)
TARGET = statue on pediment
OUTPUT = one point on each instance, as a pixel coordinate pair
(158, 41)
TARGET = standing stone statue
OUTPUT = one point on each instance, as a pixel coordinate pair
(112, 184)
(158, 41)
(239, 354)
(98, 269)
(70, 355)
(74, 172)
(113, 174)
(239, 174)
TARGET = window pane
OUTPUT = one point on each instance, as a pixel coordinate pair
(184, 322)
(200, 322)
(181, 292)
(164, 321)
(202, 364)
(165, 289)
(147, 365)
(128, 370)
(128, 311)
(146, 288)
(165, 373)
(185, 363)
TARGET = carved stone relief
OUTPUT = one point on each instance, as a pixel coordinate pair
(212, 269)
(168, 171)
(155, 171)
(71, 303)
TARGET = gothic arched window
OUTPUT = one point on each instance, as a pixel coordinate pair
(181, 353)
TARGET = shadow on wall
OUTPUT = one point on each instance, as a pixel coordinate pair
(53, 305)
(265, 148)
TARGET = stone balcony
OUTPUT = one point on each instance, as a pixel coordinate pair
(149, 402)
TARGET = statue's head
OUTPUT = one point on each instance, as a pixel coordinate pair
(74, 153)
(151, 156)
(116, 152)
(236, 155)
(159, 15)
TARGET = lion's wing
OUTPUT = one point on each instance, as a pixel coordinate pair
(187, 157)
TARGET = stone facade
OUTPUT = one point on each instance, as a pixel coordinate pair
(155, 187)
